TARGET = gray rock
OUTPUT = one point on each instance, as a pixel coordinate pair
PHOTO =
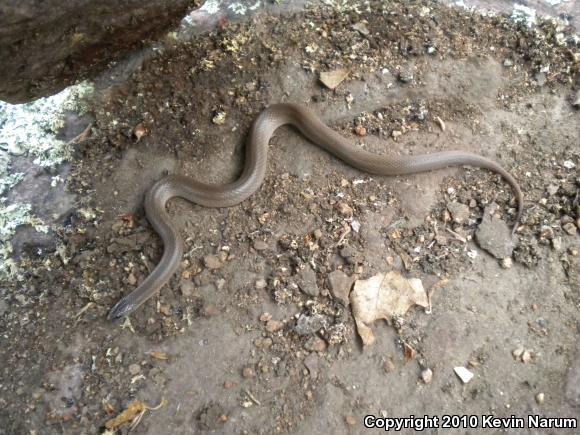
(46, 45)
(307, 282)
(340, 284)
(309, 324)
(459, 212)
(495, 237)
(311, 363)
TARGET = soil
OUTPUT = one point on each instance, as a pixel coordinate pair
(220, 343)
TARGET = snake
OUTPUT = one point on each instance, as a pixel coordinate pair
(253, 173)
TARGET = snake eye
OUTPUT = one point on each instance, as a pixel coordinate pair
(121, 309)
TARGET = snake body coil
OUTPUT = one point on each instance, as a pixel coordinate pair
(226, 195)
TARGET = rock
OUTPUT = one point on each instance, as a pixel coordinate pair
(552, 189)
(46, 45)
(506, 263)
(248, 372)
(494, 236)
(261, 284)
(315, 344)
(540, 398)
(427, 375)
(340, 284)
(360, 131)
(212, 262)
(361, 27)
(344, 209)
(186, 287)
(134, 369)
(463, 374)
(508, 63)
(260, 245)
(459, 212)
(274, 325)
(309, 324)
(311, 363)
(570, 228)
(307, 282)
(389, 365)
(406, 74)
(332, 79)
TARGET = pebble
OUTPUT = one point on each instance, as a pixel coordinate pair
(552, 189)
(340, 284)
(134, 369)
(317, 234)
(494, 236)
(540, 398)
(540, 78)
(131, 279)
(260, 284)
(570, 228)
(360, 131)
(260, 245)
(506, 263)
(309, 324)
(248, 372)
(344, 209)
(165, 310)
(508, 63)
(212, 262)
(307, 282)
(350, 420)
(265, 317)
(315, 344)
(527, 356)
(557, 243)
(274, 325)
(427, 375)
(463, 374)
(187, 287)
(332, 79)
(459, 212)
(311, 363)
(361, 27)
(389, 365)
(406, 74)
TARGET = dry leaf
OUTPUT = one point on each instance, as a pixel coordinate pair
(159, 355)
(128, 414)
(382, 297)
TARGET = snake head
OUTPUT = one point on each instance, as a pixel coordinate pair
(121, 309)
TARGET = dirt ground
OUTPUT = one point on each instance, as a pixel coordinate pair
(222, 345)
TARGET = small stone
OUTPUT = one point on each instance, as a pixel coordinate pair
(139, 131)
(315, 344)
(274, 325)
(332, 79)
(540, 398)
(389, 365)
(131, 279)
(527, 356)
(406, 74)
(187, 287)
(310, 324)
(557, 243)
(508, 63)
(340, 284)
(311, 363)
(540, 78)
(546, 232)
(265, 317)
(317, 234)
(506, 263)
(165, 310)
(261, 284)
(517, 353)
(463, 374)
(307, 282)
(552, 189)
(134, 369)
(459, 212)
(350, 420)
(427, 375)
(361, 27)
(263, 343)
(494, 236)
(212, 262)
(570, 228)
(219, 118)
(260, 245)
(360, 131)
(396, 133)
(248, 372)
(344, 209)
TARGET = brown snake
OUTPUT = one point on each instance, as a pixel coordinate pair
(226, 195)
